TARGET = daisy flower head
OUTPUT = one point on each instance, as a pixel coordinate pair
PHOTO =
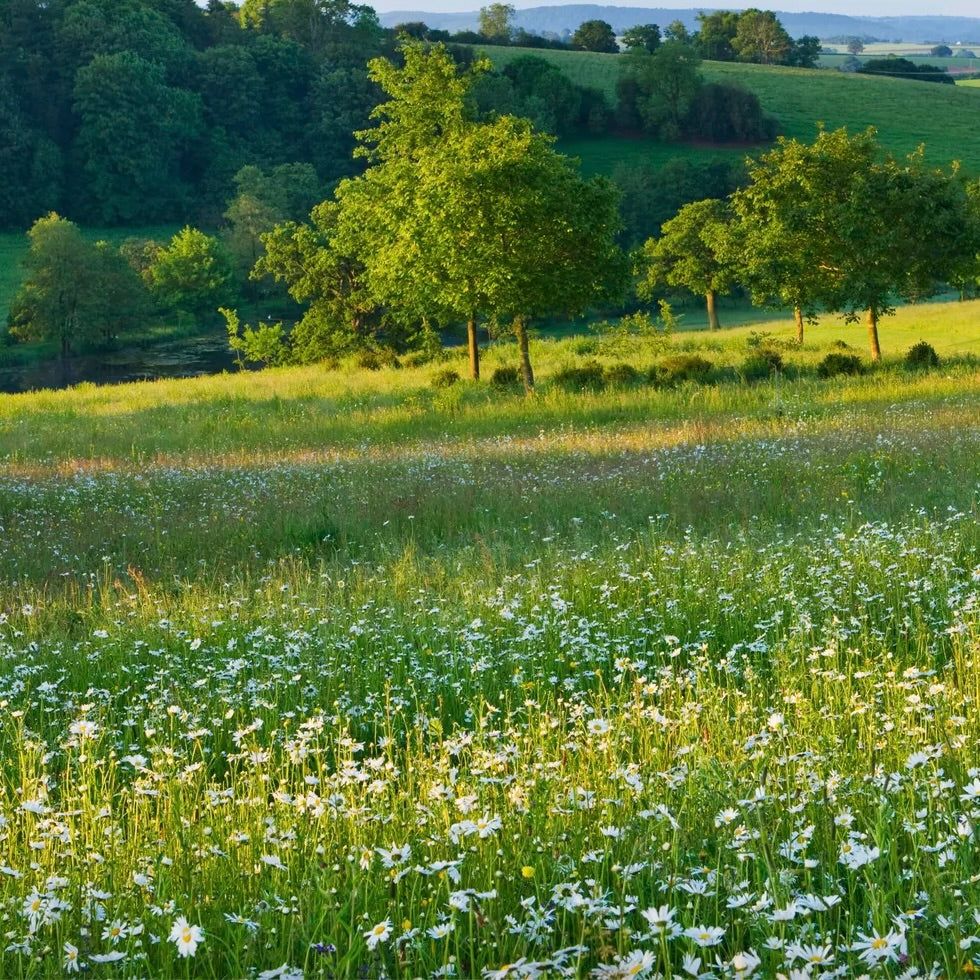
(84, 729)
(186, 937)
(380, 933)
(71, 958)
(635, 964)
(705, 935)
(877, 949)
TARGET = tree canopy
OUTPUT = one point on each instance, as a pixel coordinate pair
(458, 218)
(839, 225)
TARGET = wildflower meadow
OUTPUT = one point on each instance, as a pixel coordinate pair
(675, 683)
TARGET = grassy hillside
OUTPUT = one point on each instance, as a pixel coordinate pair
(906, 114)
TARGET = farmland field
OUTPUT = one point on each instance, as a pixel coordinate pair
(906, 114)
(359, 674)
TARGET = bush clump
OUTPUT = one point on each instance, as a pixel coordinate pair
(621, 374)
(761, 364)
(589, 376)
(921, 355)
(507, 376)
(679, 368)
(445, 378)
(837, 363)
(375, 360)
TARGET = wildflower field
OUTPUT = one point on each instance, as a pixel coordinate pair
(346, 675)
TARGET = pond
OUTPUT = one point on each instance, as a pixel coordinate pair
(187, 358)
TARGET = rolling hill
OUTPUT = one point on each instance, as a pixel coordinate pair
(906, 114)
(567, 17)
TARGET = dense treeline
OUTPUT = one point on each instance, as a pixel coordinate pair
(130, 111)
(122, 112)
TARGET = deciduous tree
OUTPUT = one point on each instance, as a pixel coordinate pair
(642, 36)
(690, 252)
(495, 22)
(595, 35)
(192, 275)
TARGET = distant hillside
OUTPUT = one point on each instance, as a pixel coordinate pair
(567, 17)
(943, 117)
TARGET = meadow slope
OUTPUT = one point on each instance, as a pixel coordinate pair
(359, 674)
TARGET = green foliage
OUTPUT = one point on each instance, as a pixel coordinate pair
(495, 22)
(903, 68)
(834, 225)
(265, 344)
(692, 252)
(135, 134)
(837, 362)
(761, 38)
(644, 36)
(921, 355)
(634, 332)
(761, 363)
(595, 35)
(444, 378)
(654, 194)
(465, 219)
(590, 376)
(679, 368)
(725, 113)
(75, 291)
(192, 275)
(622, 374)
(657, 90)
(340, 314)
(31, 164)
(506, 376)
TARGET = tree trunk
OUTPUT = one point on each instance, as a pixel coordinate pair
(798, 316)
(873, 334)
(712, 299)
(474, 349)
(527, 375)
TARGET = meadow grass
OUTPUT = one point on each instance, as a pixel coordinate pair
(309, 673)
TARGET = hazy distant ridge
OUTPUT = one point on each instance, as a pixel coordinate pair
(927, 29)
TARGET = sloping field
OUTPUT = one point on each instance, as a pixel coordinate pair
(906, 114)
(350, 675)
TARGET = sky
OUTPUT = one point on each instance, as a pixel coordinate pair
(856, 8)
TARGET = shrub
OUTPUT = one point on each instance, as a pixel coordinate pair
(581, 377)
(762, 363)
(368, 360)
(921, 355)
(837, 363)
(505, 377)
(586, 347)
(681, 367)
(621, 374)
(445, 378)
(374, 360)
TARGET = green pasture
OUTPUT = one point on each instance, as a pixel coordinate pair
(906, 114)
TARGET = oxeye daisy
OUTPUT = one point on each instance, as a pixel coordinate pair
(186, 937)
(378, 934)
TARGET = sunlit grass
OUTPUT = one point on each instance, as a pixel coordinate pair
(340, 674)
